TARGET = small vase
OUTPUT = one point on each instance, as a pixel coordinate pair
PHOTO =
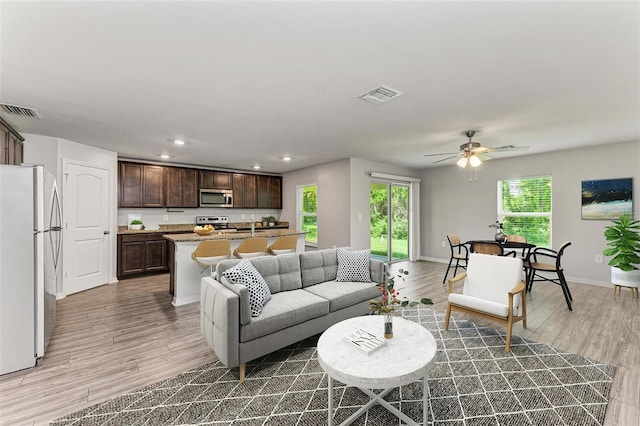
(388, 325)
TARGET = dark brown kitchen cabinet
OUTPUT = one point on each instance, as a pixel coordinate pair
(141, 185)
(269, 192)
(10, 144)
(141, 254)
(245, 191)
(215, 180)
(181, 187)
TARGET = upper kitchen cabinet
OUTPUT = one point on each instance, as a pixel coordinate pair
(141, 185)
(269, 192)
(215, 180)
(181, 187)
(11, 144)
(244, 191)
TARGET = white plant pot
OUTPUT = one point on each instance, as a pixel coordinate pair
(624, 278)
(136, 227)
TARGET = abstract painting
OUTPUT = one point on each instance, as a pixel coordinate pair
(607, 198)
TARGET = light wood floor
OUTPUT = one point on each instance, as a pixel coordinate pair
(120, 337)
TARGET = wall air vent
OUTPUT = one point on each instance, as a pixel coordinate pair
(21, 111)
(380, 94)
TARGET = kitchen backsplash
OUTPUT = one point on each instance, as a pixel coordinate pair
(153, 218)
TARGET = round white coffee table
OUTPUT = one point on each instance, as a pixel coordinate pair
(406, 358)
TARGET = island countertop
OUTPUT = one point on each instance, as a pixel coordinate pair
(226, 235)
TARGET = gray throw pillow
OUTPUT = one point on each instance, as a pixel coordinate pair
(245, 273)
(353, 265)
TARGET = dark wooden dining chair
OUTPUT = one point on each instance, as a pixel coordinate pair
(549, 262)
(485, 247)
(459, 253)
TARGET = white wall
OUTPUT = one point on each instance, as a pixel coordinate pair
(452, 204)
(332, 180)
(51, 152)
(343, 194)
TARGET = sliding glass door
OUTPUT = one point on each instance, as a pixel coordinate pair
(389, 221)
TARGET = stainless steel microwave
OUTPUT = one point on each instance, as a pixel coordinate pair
(216, 198)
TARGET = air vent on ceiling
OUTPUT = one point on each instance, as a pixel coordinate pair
(380, 94)
(21, 111)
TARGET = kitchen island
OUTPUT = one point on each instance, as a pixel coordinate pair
(185, 274)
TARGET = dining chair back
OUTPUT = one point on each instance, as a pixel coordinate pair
(544, 262)
(492, 248)
(283, 245)
(493, 289)
(251, 247)
(459, 253)
(210, 252)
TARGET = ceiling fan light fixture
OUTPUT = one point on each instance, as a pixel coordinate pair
(462, 162)
(474, 161)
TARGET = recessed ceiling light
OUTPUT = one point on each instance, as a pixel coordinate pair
(178, 142)
(286, 158)
(165, 156)
(256, 166)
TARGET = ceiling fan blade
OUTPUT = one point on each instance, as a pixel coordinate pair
(445, 159)
(442, 153)
(481, 150)
(508, 148)
(483, 156)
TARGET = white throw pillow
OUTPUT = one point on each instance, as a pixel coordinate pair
(245, 273)
(353, 265)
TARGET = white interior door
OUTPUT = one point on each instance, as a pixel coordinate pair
(87, 224)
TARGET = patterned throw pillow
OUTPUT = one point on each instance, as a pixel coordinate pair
(245, 273)
(353, 265)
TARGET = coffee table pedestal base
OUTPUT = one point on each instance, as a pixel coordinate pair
(376, 398)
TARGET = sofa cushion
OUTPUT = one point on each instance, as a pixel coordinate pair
(353, 265)
(245, 273)
(282, 273)
(285, 309)
(318, 266)
(343, 294)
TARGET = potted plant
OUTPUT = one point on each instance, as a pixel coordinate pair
(265, 221)
(135, 224)
(623, 239)
(271, 220)
(385, 304)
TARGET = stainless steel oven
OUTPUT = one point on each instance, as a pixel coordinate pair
(216, 198)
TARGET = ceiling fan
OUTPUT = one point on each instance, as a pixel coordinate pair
(472, 153)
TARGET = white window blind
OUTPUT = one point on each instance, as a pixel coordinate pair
(524, 207)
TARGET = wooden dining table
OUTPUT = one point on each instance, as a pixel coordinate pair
(525, 247)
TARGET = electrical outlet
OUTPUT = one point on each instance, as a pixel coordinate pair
(165, 217)
(599, 258)
(443, 244)
(242, 216)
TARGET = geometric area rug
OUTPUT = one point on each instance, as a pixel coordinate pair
(474, 382)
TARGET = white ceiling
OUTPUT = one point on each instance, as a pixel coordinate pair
(246, 82)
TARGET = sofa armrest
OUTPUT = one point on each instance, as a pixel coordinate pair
(377, 270)
(243, 293)
(220, 320)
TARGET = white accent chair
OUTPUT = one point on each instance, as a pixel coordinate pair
(493, 289)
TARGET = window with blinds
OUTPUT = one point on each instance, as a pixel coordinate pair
(524, 207)
(307, 201)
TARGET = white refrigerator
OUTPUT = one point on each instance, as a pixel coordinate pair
(30, 247)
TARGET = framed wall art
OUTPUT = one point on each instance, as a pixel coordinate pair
(607, 198)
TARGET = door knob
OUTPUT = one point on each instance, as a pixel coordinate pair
(107, 232)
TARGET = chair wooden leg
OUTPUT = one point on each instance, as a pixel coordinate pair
(524, 309)
(615, 286)
(509, 327)
(243, 371)
(446, 318)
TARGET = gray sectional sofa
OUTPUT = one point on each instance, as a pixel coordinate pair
(305, 300)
